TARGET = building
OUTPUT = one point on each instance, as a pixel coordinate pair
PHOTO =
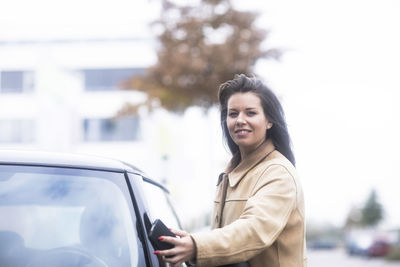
(63, 96)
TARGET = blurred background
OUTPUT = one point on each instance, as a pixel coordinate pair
(137, 81)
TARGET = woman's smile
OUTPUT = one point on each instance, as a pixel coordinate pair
(246, 121)
(242, 133)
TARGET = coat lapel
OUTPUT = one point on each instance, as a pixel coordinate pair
(248, 163)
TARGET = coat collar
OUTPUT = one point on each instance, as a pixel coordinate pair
(250, 161)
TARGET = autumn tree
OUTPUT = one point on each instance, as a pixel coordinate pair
(201, 46)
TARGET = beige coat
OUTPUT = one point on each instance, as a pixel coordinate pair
(262, 220)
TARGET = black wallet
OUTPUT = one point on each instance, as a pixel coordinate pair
(159, 229)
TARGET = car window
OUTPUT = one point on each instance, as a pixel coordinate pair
(66, 217)
(160, 205)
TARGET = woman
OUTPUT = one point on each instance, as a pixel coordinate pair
(259, 208)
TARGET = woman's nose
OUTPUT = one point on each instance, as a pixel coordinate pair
(240, 119)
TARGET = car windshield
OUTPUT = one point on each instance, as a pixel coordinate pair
(65, 217)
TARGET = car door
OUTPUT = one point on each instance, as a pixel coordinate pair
(153, 203)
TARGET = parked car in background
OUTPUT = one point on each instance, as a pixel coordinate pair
(378, 248)
(322, 244)
(368, 243)
(61, 210)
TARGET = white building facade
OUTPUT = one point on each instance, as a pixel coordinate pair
(63, 96)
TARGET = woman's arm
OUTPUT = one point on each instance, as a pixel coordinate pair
(265, 215)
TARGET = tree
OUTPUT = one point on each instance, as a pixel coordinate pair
(369, 214)
(201, 46)
(372, 212)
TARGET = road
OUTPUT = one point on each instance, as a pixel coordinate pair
(338, 258)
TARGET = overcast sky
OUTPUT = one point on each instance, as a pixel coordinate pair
(338, 80)
(340, 86)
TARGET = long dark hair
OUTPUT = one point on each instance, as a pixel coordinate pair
(273, 111)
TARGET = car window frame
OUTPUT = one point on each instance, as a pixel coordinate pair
(137, 179)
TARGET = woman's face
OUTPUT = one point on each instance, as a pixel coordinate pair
(246, 121)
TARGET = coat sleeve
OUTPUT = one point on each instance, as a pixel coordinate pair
(264, 217)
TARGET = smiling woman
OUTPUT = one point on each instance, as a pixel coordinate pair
(246, 122)
(253, 95)
(259, 200)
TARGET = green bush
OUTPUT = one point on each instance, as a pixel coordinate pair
(394, 254)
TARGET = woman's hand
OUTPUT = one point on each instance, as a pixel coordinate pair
(184, 249)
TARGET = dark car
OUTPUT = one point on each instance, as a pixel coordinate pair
(70, 210)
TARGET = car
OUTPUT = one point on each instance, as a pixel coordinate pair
(358, 241)
(66, 210)
(322, 244)
(379, 248)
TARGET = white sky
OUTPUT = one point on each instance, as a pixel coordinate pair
(339, 82)
(340, 85)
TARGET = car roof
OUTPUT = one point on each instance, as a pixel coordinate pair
(52, 159)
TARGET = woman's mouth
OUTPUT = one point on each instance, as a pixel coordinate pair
(242, 132)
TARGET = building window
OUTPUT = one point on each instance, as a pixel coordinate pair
(17, 131)
(16, 81)
(108, 129)
(108, 79)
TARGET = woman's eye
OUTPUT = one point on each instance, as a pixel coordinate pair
(251, 113)
(232, 114)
